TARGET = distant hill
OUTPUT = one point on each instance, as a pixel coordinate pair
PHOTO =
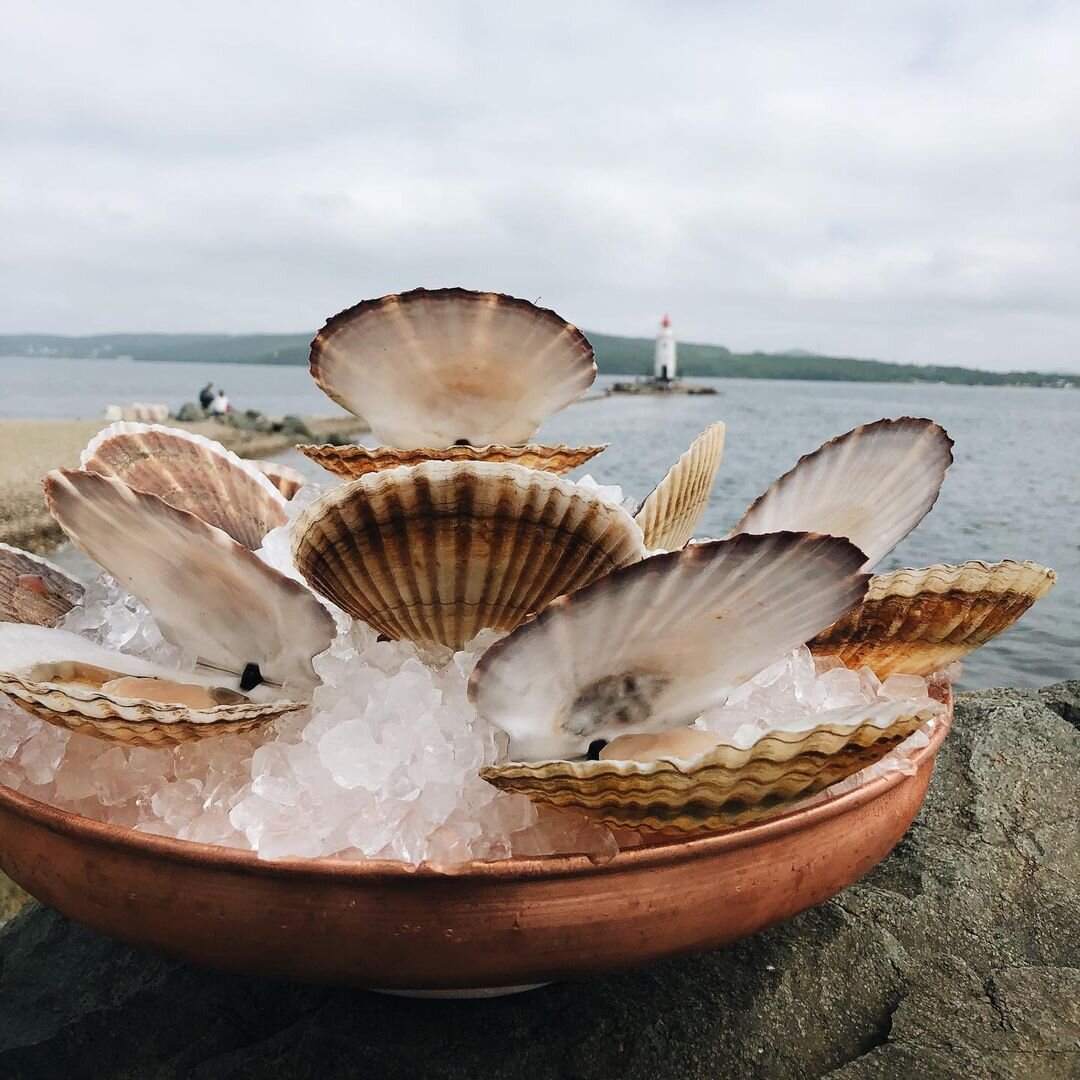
(614, 356)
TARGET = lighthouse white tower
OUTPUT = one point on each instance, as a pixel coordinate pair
(664, 357)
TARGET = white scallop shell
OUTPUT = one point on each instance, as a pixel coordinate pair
(671, 512)
(872, 485)
(650, 647)
(438, 551)
(32, 590)
(207, 593)
(45, 672)
(192, 473)
(444, 366)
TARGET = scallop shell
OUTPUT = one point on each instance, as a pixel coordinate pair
(652, 646)
(34, 591)
(444, 366)
(192, 473)
(57, 676)
(722, 787)
(284, 477)
(353, 461)
(872, 485)
(669, 515)
(919, 621)
(207, 593)
(438, 551)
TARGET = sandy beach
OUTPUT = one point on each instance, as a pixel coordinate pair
(30, 448)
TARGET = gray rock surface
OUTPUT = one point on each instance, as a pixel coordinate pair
(958, 957)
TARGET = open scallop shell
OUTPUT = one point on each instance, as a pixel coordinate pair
(872, 485)
(60, 677)
(192, 473)
(721, 787)
(671, 512)
(436, 552)
(919, 621)
(652, 646)
(284, 477)
(207, 593)
(34, 591)
(444, 366)
(354, 461)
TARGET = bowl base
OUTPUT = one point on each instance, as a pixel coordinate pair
(471, 992)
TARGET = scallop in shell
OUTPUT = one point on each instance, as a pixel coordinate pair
(34, 591)
(192, 473)
(671, 512)
(652, 646)
(438, 551)
(284, 477)
(443, 366)
(919, 621)
(353, 461)
(207, 593)
(68, 681)
(872, 485)
(688, 781)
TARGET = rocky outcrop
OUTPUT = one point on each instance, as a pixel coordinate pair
(959, 956)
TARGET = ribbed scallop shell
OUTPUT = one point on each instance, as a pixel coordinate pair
(650, 647)
(208, 594)
(284, 477)
(355, 461)
(41, 683)
(720, 788)
(671, 512)
(444, 366)
(192, 473)
(438, 551)
(919, 621)
(872, 485)
(34, 591)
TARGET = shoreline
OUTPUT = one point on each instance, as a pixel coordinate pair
(30, 448)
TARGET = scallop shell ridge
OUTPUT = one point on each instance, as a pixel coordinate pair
(438, 551)
(917, 621)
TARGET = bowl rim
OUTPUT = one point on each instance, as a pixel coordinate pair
(386, 871)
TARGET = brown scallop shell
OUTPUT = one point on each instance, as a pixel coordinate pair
(192, 473)
(435, 367)
(718, 789)
(34, 591)
(917, 621)
(438, 551)
(671, 512)
(351, 462)
(284, 477)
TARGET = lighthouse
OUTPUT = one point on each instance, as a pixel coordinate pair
(664, 357)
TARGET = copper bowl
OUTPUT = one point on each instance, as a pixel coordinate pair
(493, 925)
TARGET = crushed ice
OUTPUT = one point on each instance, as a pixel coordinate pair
(384, 764)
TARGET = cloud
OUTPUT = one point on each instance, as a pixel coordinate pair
(896, 180)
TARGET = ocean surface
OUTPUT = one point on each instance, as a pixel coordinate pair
(1013, 491)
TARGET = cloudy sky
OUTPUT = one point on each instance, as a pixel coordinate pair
(898, 180)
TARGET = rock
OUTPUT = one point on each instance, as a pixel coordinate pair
(191, 412)
(294, 427)
(959, 956)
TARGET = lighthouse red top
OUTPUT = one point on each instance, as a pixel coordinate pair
(666, 322)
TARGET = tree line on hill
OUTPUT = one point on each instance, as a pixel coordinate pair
(614, 356)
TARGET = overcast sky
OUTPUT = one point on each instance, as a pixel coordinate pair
(895, 180)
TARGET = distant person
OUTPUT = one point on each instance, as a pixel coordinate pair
(207, 395)
(220, 404)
